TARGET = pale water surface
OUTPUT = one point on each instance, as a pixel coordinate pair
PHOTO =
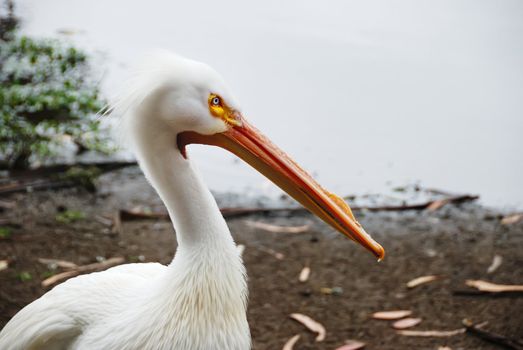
(367, 95)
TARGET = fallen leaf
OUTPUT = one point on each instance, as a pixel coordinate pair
(304, 274)
(391, 315)
(277, 228)
(272, 252)
(289, 345)
(352, 345)
(441, 334)
(60, 263)
(4, 264)
(512, 219)
(406, 323)
(312, 325)
(496, 262)
(485, 286)
(421, 280)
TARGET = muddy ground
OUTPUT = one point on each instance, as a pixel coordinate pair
(455, 242)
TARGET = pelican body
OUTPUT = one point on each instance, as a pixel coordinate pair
(198, 301)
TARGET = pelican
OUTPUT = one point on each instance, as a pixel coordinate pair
(198, 301)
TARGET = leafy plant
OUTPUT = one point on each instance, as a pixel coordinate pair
(46, 99)
(69, 216)
(5, 232)
(25, 276)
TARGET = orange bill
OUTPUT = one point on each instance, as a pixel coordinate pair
(254, 148)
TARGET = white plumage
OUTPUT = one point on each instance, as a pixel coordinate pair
(198, 302)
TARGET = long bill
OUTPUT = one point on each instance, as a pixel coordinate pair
(254, 148)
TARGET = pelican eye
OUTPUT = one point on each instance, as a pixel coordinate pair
(216, 101)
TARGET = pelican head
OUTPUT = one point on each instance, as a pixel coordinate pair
(192, 103)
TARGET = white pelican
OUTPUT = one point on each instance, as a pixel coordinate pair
(199, 300)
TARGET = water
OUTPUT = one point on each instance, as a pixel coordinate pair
(366, 95)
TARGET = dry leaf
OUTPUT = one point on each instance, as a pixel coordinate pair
(352, 345)
(485, 286)
(391, 315)
(512, 219)
(421, 280)
(272, 252)
(4, 264)
(440, 334)
(289, 345)
(60, 263)
(496, 262)
(312, 325)
(304, 274)
(406, 323)
(277, 228)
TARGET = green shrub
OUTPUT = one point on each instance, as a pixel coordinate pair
(46, 99)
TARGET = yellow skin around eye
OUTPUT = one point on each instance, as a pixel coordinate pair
(216, 110)
(223, 111)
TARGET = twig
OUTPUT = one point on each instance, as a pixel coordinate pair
(476, 330)
(82, 269)
(478, 293)
(129, 215)
(60, 263)
(117, 223)
(17, 186)
(41, 178)
(431, 333)
(45, 171)
(7, 222)
(236, 212)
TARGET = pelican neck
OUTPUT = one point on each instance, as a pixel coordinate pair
(192, 208)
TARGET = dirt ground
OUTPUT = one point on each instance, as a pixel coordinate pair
(455, 242)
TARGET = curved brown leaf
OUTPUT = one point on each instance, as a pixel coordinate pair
(421, 280)
(289, 344)
(352, 345)
(312, 325)
(406, 323)
(391, 315)
(304, 274)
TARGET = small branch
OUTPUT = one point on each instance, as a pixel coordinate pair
(478, 293)
(34, 185)
(81, 270)
(128, 215)
(60, 263)
(42, 178)
(45, 171)
(117, 223)
(476, 330)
